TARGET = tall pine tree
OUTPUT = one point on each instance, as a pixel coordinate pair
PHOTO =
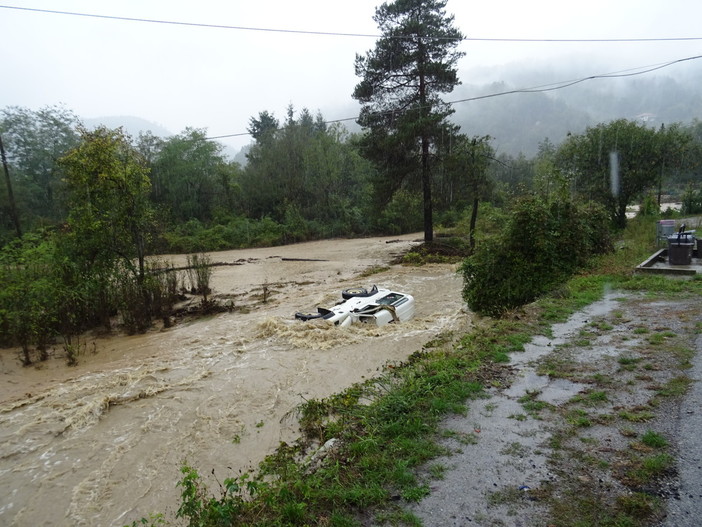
(413, 62)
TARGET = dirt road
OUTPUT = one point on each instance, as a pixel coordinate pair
(102, 443)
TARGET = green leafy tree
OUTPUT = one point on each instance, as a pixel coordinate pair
(691, 200)
(28, 296)
(513, 175)
(548, 180)
(108, 187)
(34, 141)
(263, 128)
(463, 179)
(678, 153)
(42, 297)
(149, 146)
(615, 163)
(308, 177)
(110, 217)
(190, 177)
(402, 78)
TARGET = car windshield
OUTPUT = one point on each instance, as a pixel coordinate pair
(390, 299)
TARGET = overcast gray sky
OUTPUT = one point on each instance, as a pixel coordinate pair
(204, 77)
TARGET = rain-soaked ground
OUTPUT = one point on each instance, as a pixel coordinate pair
(501, 454)
(101, 444)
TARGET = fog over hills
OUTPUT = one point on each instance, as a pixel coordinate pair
(132, 125)
(518, 122)
(135, 125)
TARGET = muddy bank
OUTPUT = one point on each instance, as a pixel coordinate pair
(102, 443)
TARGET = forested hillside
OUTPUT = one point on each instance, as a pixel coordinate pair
(518, 122)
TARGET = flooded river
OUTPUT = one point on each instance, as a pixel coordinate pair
(101, 444)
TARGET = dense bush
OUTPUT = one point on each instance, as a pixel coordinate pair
(233, 233)
(541, 245)
(691, 201)
(48, 297)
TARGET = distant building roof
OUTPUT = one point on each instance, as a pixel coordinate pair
(646, 117)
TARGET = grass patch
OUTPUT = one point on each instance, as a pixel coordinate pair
(445, 250)
(659, 338)
(636, 415)
(578, 418)
(462, 437)
(676, 387)
(583, 506)
(438, 471)
(629, 363)
(505, 496)
(515, 449)
(639, 505)
(653, 439)
(559, 367)
(649, 468)
(603, 325)
(531, 404)
(591, 398)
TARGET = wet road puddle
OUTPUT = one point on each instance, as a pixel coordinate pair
(497, 450)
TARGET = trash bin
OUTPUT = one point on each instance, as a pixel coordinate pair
(664, 228)
(680, 248)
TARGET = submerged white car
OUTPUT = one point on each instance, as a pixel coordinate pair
(374, 306)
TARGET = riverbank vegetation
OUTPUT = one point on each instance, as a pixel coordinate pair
(91, 205)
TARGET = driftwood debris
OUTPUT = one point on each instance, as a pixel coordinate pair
(302, 260)
(213, 264)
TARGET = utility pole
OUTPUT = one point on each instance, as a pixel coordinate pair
(10, 195)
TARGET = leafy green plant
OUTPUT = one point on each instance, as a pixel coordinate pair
(541, 245)
(199, 269)
(154, 520)
(200, 508)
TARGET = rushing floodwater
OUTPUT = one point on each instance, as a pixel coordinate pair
(102, 444)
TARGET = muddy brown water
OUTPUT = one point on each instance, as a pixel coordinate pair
(102, 443)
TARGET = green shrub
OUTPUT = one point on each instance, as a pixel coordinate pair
(541, 245)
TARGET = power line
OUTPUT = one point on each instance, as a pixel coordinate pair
(536, 89)
(189, 24)
(340, 34)
(566, 84)
(581, 40)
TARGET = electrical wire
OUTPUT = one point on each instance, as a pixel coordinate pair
(536, 89)
(188, 24)
(631, 72)
(339, 34)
